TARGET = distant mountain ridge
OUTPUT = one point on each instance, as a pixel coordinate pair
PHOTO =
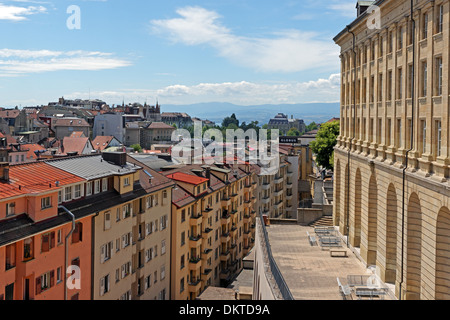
(217, 111)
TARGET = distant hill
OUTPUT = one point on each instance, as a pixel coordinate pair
(217, 111)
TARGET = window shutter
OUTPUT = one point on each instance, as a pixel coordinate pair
(111, 248)
(38, 285)
(45, 243)
(80, 230)
(52, 278)
(102, 286)
(102, 254)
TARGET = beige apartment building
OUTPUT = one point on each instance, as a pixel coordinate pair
(278, 193)
(391, 188)
(213, 219)
(131, 227)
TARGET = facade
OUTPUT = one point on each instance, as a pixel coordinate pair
(213, 210)
(155, 133)
(181, 120)
(284, 124)
(109, 124)
(392, 159)
(64, 127)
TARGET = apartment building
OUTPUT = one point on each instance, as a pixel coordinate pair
(391, 186)
(131, 224)
(36, 236)
(278, 193)
(212, 225)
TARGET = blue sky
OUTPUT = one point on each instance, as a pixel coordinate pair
(176, 52)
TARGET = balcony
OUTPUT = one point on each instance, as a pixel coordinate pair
(194, 264)
(278, 205)
(265, 186)
(226, 201)
(207, 209)
(278, 180)
(195, 241)
(225, 274)
(206, 233)
(225, 237)
(224, 256)
(289, 185)
(206, 254)
(290, 174)
(195, 285)
(225, 219)
(265, 200)
(196, 220)
(233, 231)
(206, 275)
(247, 218)
(278, 193)
(289, 196)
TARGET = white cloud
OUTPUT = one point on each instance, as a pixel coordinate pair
(20, 62)
(15, 13)
(282, 51)
(243, 93)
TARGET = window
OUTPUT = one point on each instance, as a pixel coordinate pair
(77, 235)
(424, 82)
(183, 215)
(59, 275)
(423, 125)
(60, 196)
(126, 269)
(163, 222)
(106, 252)
(440, 19)
(28, 249)
(399, 83)
(182, 262)
(126, 240)
(438, 138)
(148, 282)
(163, 272)
(126, 182)
(68, 194)
(183, 238)
(439, 76)
(10, 209)
(182, 285)
(59, 237)
(89, 188)
(107, 220)
(399, 133)
(425, 26)
(104, 285)
(389, 86)
(105, 184)
(97, 186)
(48, 242)
(400, 38)
(127, 211)
(47, 280)
(78, 191)
(46, 203)
(163, 247)
(10, 259)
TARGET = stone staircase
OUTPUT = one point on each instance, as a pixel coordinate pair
(325, 221)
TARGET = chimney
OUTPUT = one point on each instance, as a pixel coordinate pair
(117, 158)
(4, 171)
(208, 174)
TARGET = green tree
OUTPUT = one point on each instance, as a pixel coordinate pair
(230, 120)
(312, 126)
(323, 146)
(293, 132)
(137, 148)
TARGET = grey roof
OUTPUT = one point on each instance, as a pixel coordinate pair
(151, 161)
(92, 167)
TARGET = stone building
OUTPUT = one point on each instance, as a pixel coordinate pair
(392, 156)
(284, 124)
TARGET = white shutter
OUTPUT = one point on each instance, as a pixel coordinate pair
(112, 248)
(102, 254)
(102, 286)
(146, 255)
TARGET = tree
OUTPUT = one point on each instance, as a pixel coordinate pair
(312, 126)
(323, 146)
(230, 120)
(293, 132)
(137, 148)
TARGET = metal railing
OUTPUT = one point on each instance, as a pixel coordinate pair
(275, 271)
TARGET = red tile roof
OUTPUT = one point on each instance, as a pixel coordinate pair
(34, 178)
(102, 142)
(188, 178)
(73, 145)
(31, 149)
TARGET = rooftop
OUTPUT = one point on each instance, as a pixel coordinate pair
(309, 271)
(187, 178)
(92, 167)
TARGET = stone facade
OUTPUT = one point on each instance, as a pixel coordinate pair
(392, 157)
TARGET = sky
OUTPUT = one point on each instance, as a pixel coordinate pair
(246, 52)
